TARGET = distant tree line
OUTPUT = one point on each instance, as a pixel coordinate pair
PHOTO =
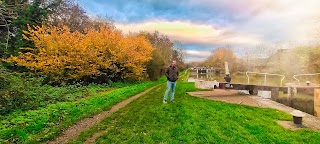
(266, 59)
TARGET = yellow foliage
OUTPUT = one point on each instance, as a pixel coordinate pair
(73, 55)
(221, 55)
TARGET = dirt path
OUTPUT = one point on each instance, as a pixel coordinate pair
(85, 124)
(232, 96)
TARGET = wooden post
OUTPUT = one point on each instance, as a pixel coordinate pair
(289, 91)
(274, 93)
(316, 101)
(292, 91)
(255, 89)
(196, 83)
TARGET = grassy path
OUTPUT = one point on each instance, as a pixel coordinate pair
(193, 120)
(85, 124)
(47, 123)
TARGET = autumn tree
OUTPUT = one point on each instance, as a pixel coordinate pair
(65, 55)
(16, 14)
(218, 58)
(165, 51)
(313, 61)
(68, 13)
(178, 54)
(160, 55)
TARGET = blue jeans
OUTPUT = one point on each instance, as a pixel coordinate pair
(170, 85)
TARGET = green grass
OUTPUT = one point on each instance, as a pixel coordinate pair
(45, 123)
(22, 92)
(183, 76)
(194, 120)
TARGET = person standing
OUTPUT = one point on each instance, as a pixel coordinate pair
(227, 78)
(172, 75)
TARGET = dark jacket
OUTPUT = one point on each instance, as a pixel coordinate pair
(172, 74)
(227, 78)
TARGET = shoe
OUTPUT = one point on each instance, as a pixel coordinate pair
(172, 101)
(164, 101)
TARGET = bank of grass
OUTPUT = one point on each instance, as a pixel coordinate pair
(45, 123)
(184, 75)
(194, 120)
(22, 91)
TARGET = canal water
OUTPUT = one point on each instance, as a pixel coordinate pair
(303, 102)
(205, 76)
(236, 78)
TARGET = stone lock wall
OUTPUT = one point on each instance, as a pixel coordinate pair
(317, 102)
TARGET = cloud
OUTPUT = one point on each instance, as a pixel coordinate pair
(191, 33)
(194, 59)
(272, 21)
(203, 25)
(198, 53)
(125, 11)
(249, 20)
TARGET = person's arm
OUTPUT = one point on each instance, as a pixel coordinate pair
(167, 73)
(178, 73)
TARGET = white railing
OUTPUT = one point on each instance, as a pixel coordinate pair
(265, 76)
(295, 76)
